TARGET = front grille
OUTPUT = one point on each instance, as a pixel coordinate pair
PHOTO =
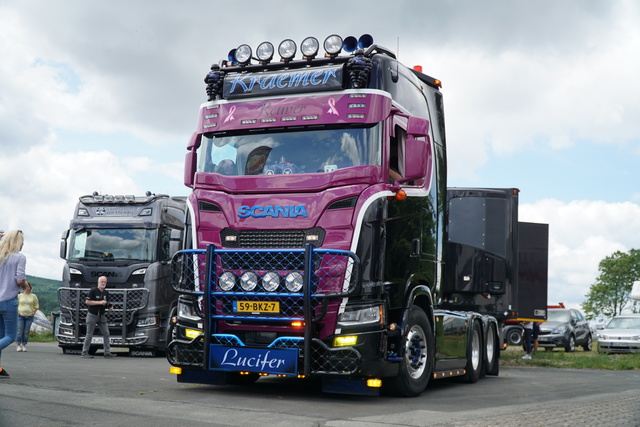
(270, 239)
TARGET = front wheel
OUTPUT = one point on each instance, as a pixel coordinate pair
(474, 354)
(571, 344)
(588, 345)
(417, 359)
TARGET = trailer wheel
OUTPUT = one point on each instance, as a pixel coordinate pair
(418, 354)
(514, 336)
(474, 354)
(492, 351)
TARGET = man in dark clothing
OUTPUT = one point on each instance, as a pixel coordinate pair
(97, 303)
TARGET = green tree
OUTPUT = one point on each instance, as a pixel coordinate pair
(609, 295)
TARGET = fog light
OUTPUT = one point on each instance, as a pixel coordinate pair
(175, 370)
(293, 282)
(192, 333)
(248, 281)
(374, 382)
(347, 340)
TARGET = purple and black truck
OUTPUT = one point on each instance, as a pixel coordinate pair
(321, 239)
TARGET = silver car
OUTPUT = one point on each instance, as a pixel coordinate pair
(621, 335)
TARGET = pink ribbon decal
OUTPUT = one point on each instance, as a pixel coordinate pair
(230, 116)
(332, 107)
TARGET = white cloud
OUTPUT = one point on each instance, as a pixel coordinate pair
(581, 234)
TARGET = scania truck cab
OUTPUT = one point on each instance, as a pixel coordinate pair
(318, 224)
(130, 240)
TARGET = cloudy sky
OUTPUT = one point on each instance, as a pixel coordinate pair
(540, 95)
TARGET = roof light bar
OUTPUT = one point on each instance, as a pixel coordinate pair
(333, 45)
(265, 52)
(309, 47)
(243, 54)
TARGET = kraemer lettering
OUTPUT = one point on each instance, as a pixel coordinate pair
(327, 78)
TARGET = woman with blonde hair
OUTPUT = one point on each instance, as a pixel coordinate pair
(12, 278)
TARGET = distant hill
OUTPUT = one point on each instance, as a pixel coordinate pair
(47, 292)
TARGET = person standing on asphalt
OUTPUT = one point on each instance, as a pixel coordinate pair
(12, 278)
(97, 303)
(528, 334)
(27, 309)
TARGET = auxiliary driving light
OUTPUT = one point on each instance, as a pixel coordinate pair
(287, 50)
(265, 52)
(270, 281)
(227, 281)
(347, 340)
(248, 281)
(243, 54)
(309, 47)
(333, 45)
(293, 282)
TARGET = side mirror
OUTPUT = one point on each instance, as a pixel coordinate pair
(417, 126)
(63, 244)
(190, 168)
(416, 159)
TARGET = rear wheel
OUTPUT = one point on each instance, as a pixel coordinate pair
(571, 344)
(474, 354)
(492, 351)
(417, 360)
(588, 345)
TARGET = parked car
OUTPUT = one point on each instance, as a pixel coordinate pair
(565, 328)
(621, 335)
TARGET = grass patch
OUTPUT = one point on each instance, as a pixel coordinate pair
(579, 359)
(46, 336)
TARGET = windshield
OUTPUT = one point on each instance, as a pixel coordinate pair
(561, 316)
(306, 151)
(109, 244)
(624, 323)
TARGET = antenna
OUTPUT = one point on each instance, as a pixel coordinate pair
(398, 48)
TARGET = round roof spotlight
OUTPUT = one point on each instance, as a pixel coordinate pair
(249, 281)
(350, 44)
(287, 49)
(264, 52)
(243, 54)
(365, 41)
(333, 45)
(309, 47)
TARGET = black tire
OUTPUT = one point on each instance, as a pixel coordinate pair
(492, 351)
(571, 344)
(514, 336)
(474, 354)
(588, 345)
(417, 362)
(234, 378)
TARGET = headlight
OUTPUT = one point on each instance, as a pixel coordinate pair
(293, 282)
(559, 330)
(139, 271)
(227, 281)
(360, 316)
(270, 281)
(248, 281)
(148, 321)
(187, 311)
